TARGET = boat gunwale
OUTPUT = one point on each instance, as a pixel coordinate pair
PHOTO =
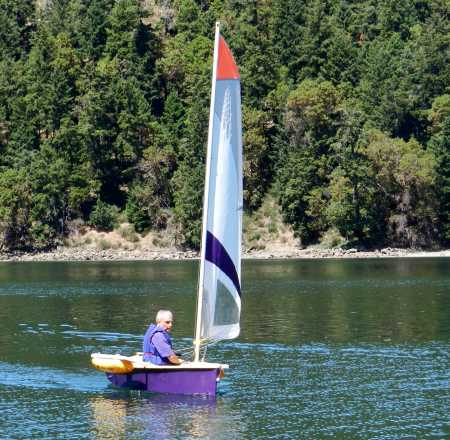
(138, 364)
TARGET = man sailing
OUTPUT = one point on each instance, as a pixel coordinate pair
(157, 346)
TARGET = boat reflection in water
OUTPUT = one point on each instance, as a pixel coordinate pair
(155, 416)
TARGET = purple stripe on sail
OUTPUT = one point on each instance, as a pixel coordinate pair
(218, 255)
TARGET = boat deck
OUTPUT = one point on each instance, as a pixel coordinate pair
(139, 364)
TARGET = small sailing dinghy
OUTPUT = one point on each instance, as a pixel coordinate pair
(219, 291)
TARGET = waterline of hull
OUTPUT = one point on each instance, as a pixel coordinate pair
(171, 381)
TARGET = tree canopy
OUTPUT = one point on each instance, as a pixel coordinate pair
(346, 115)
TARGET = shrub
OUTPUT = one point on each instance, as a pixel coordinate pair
(104, 244)
(88, 240)
(332, 238)
(104, 217)
(137, 209)
(42, 235)
(272, 227)
(144, 209)
(128, 233)
(255, 236)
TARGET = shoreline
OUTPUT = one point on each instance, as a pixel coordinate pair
(172, 254)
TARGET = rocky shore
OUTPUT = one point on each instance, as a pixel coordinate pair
(94, 254)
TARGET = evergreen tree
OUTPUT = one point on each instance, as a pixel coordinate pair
(17, 19)
(315, 35)
(188, 180)
(287, 27)
(311, 121)
(150, 195)
(384, 100)
(353, 198)
(440, 146)
(15, 195)
(88, 22)
(257, 157)
(251, 41)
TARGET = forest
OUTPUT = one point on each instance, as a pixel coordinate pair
(104, 110)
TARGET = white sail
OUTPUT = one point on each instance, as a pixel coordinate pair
(219, 302)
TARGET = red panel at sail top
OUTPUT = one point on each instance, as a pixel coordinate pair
(226, 67)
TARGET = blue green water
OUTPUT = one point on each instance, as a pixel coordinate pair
(329, 349)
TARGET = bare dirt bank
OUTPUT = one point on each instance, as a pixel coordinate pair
(124, 244)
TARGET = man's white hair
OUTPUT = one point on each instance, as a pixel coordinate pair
(164, 315)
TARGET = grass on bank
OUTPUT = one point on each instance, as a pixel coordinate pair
(263, 230)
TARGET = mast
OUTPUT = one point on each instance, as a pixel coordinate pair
(198, 325)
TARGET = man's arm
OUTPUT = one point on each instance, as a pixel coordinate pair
(165, 350)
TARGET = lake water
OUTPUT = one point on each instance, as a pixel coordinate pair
(329, 349)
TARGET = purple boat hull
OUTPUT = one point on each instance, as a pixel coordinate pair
(187, 381)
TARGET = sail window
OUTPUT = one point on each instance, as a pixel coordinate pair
(226, 311)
